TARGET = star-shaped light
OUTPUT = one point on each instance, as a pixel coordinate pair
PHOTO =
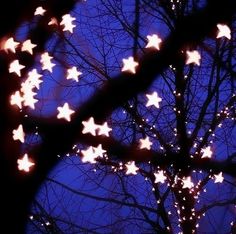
(15, 67)
(153, 41)
(73, 73)
(67, 23)
(153, 100)
(218, 178)
(145, 143)
(223, 31)
(10, 45)
(26, 87)
(34, 78)
(18, 134)
(187, 183)
(39, 11)
(16, 99)
(46, 62)
(129, 65)
(53, 21)
(29, 99)
(206, 152)
(99, 151)
(28, 46)
(103, 129)
(65, 112)
(159, 177)
(88, 155)
(89, 126)
(131, 168)
(193, 57)
(25, 164)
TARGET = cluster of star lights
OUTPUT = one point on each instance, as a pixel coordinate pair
(26, 97)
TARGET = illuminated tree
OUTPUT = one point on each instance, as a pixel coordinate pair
(165, 123)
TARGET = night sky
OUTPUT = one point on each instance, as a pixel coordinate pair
(118, 117)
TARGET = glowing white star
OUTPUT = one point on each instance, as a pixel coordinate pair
(129, 65)
(159, 177)
(25, 164)
(73, 73)
(18, 134)
(67, 23)
(89, 126)
(89, 155)
(223, 31)
(145, 143)
(206, 152)
(34, 78)
(187, 183)
(16, 99)
(103, 129)
(131, 168)
(26, 87)
(153, 100)
(29, 99)
(28, 46)
(39, 11)
(193, 57)
(65, 112)
(10, 44)
(46, 62)
(16, 67)
(153, 41)
(99, 151)
(219, 178)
